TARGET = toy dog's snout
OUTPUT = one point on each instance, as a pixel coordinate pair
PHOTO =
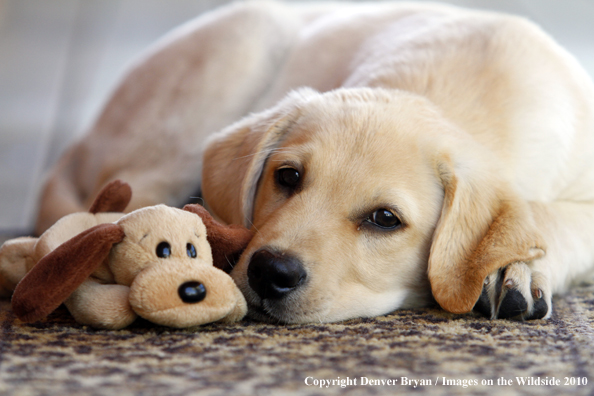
(191, 293)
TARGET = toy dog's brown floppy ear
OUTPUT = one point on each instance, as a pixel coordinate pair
(226, 242)
(53, 279)
(114, 197)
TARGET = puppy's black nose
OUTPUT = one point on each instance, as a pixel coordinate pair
(274, 276)
(192, 292)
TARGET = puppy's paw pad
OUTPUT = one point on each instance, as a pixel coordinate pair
(483, 305)
(512, 304)
(539, 310)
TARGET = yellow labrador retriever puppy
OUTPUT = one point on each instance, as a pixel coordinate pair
(395, 153)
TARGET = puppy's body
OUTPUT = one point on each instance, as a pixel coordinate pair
(467, 132)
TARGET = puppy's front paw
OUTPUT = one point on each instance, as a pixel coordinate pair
(515, 291)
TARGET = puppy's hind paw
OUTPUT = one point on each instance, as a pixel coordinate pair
(515, 291)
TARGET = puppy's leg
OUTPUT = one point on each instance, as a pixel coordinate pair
(198, 79)
(524, 289)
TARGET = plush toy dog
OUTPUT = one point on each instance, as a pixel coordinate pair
(108, 268)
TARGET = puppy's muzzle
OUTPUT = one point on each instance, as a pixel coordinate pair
(274, 276)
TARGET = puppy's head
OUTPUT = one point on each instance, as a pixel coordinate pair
(353, 195)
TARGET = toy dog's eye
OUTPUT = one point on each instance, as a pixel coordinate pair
(191, 250)
(163, 250)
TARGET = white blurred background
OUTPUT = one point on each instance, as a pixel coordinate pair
(59, 60)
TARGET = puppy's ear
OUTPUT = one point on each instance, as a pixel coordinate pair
(235, 157)
(226, 242)
(482, 228)
(53, 279)
(114, 197)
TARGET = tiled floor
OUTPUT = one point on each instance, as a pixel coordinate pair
(60, 58)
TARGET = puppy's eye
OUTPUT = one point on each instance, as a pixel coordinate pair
(384, 218)
(191, 250)
(288, 177)
(163, 250)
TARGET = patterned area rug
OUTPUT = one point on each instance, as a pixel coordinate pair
(411, 351)
(425, 351)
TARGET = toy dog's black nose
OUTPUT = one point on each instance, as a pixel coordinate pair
(274, 276)
(192, 292)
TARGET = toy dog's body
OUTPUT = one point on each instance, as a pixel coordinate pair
(109, 268)
(21, 254)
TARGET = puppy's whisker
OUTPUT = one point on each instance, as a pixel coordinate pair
(320, 318)
(252, 224)
(247, 156)
(229, 262)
